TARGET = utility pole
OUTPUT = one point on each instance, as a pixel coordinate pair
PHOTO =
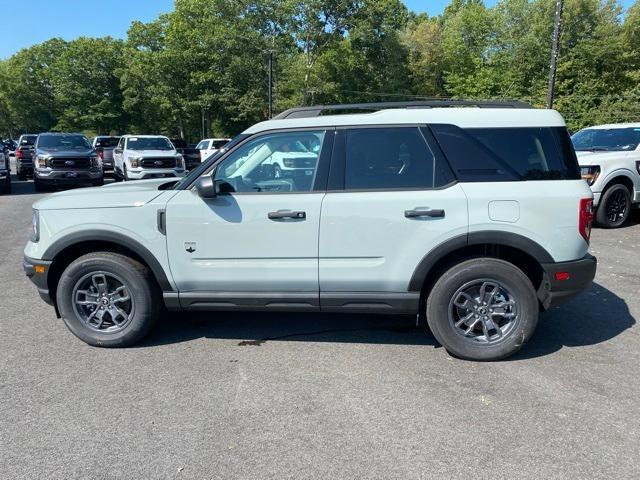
(204, 131)
(557, 25)
(270, 68)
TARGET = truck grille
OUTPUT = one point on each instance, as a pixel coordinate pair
(161, 162)
(69, 163)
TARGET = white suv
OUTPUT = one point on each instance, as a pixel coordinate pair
(609, 158)
(473, 218)
(139, 157)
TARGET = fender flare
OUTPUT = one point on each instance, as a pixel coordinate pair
(108, 236)
(507, 239)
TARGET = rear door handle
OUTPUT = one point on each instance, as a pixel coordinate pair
(286, 214)
(424, 212)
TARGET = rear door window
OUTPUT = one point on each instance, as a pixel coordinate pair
(388, 158)
(508, 154)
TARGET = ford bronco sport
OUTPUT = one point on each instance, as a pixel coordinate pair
(609, 158)
(474, 218)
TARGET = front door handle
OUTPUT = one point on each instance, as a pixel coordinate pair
(286, 214)
(424, 212)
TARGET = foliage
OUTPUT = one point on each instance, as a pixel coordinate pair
(208, 59)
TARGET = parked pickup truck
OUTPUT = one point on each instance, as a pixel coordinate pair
(65, 159)
(104, 147)
(24, 155)
(190, 154)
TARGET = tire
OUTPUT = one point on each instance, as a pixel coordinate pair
(6, 188)
(39, 186)
(614, 208)
(125, 178)
(86, 273)
(98, 183)
(515, 326)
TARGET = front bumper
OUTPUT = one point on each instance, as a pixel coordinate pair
(4, 174)
(564, 280)
(37, 271)
(68, 177)
(141, 174)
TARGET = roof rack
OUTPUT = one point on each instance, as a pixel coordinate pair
(316, 110)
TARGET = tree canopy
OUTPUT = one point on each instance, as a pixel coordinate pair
(208, 59)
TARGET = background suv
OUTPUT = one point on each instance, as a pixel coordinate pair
(139, 157)
(65, 159)
(426, 211)
(609, 157)
(5, 172)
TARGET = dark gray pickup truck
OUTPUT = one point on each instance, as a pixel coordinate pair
(24, 154)
(104, 148)
(65, 159)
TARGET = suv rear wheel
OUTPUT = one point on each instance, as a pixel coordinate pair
(614, 207)
(482, 309)
(107, 299)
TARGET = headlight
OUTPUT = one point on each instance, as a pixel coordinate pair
(42, 161)
(590, 174)
(95, 161)
(135, 161)
(180, 162)
(35, 226)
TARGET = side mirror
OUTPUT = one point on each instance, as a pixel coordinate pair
(206, 187)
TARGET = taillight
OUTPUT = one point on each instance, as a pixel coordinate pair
(19, 152)
(101, 154)
(585, 218)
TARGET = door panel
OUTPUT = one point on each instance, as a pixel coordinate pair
(367, 244)
(237, 248)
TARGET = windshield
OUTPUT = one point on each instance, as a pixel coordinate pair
(606, 139)
(63, 141)
(107, 142)
(149, 143)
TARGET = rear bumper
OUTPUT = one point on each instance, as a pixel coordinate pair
(578, 276)
(38, 276)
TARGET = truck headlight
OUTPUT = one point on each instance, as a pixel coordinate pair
(135, 161)
(95, 161)
(35, 226)
(42, 161)
(180, 162)
(590, 174)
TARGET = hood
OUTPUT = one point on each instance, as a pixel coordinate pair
(62, 152)
(153, 153)
(126, 194)
(597, 158)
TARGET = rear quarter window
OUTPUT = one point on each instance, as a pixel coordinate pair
(508, 154)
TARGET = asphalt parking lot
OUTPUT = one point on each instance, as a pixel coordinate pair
(319, 396)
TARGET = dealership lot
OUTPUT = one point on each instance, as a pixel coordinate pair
(271, 395)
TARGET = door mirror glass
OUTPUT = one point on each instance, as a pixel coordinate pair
(206, 187)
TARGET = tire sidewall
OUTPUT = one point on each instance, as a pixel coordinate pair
(515, 281)
(601, 214)
(145, 304)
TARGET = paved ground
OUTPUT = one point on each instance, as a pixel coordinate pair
(315, 396)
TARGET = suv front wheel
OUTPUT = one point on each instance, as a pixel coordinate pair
(107, 299)
(482, 309)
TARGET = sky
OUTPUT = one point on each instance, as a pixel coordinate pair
(73, 18)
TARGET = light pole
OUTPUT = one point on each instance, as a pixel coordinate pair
(557, 25)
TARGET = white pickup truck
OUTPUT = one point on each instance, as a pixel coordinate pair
(609, 158)
(139, 157)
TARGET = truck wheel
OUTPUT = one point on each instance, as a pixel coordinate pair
(98, 183)
(107, 299)
(482, 309)
(39, 186)
(614, 207)
(124, 173)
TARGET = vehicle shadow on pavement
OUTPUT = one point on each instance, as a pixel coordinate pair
(20, 187)
(257, 328)
(593, 317)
